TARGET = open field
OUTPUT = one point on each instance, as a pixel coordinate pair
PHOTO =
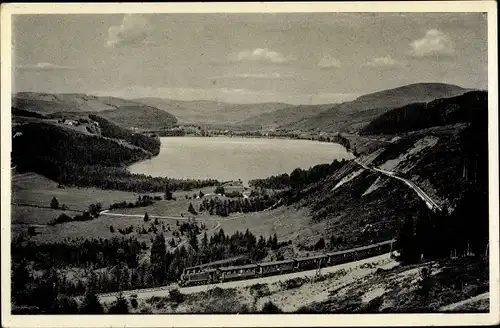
(178, 207)
(97, 228)
(34, 189)
(283, 221)
(27, 215)
(34, 192)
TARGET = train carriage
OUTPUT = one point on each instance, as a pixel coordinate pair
(212, 272)
(277, 267)
(237, 272)
(311, 262)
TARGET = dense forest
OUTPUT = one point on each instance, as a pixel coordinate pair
(298, 177)
(112, 130)
(43, 140)
(464, 228)
(86, 160)
(459, 109)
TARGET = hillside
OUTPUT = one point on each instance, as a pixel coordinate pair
(285, 116)
(446, 158)
(210, 112)
(126, 113)
(459, 109)
(45, 141)
(354, 115)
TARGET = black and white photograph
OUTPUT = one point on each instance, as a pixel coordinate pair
(266, 163)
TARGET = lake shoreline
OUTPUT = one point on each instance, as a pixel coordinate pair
(223, 154)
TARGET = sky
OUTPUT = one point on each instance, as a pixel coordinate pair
(302, 58)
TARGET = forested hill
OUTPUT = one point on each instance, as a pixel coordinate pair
(127, 113)
(354, 115)
(89, 151)
(460, 109)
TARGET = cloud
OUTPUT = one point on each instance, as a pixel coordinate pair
(329, 62)
(258, 76)
(383, 62)
(134, 29)
(262, 55)
(44, 67)
(434, 44)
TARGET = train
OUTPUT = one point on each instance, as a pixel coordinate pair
(212, 273)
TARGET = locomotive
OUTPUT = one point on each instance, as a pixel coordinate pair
(207, 274)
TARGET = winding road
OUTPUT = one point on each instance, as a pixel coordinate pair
(428, 200)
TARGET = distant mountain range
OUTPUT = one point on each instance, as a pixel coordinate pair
(283, 117)
(353, 115)
(211, 112)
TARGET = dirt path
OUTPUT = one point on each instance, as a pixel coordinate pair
(164, 291)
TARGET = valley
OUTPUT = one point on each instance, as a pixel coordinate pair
(417, 160)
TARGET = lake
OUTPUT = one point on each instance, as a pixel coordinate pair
(226, 158)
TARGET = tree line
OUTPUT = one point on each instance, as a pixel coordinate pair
(217, 206)
(298, 177)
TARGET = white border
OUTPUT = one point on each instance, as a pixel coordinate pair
(291, 320)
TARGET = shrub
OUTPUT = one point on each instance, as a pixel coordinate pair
(176, 296)
(320, 244)
(91, 305)
(31, 231)
(63, 305)
(95, 209)
(225, 306)
(424, 285)
(61, 219)
(294, 283)
(219, 190)
(270, 307)
(259, 290)
(191, 209)
(54, 203)
(120, 306)
(133, 301)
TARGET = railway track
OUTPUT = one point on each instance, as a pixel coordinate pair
(428, 200)
(163, 291)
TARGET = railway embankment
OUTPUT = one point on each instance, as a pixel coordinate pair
(374, 285)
